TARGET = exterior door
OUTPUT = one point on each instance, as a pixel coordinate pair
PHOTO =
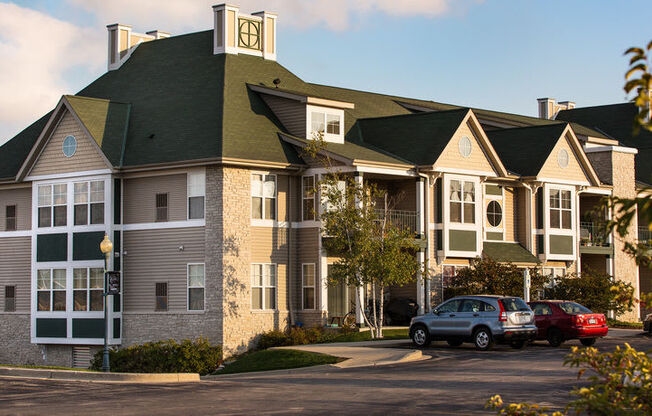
(444, 323)
(542, 318)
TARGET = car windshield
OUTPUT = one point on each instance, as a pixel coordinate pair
(573, 308)
(514, 304)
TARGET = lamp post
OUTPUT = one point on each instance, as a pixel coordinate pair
(106, 247)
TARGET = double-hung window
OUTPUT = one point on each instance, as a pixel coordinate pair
(462, 202)
(10, 298)
(263, 196)
(196, 195)
(52, 208)
(263, 286)
(10, 218)
(561, 212)
(308, 197)
(196, 282)
(89, 202)
(88, 287)
(308, 278)
(51, 289)
(325, 123)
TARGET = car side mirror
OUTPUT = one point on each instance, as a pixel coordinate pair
(435, 311)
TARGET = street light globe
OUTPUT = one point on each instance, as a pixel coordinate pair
(106, 245)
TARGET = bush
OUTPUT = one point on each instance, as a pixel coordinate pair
(301, 336)
(485, 276)
(596, 291)
(189, 356)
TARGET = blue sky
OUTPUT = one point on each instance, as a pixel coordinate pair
(498, 54)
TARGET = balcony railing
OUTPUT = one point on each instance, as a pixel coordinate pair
(404, 220)
(644, 235)
(592, 235)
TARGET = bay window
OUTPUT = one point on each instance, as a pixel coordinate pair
(52, 209)
(561, 213)
(51, 290)
(89, 203)
(462, 202)
(88, 287)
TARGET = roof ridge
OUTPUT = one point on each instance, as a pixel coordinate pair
(81, 97)
(560, 123)
(597, 106)
(423, 113)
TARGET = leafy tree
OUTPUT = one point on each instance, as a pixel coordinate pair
(488, 276)
(639, 81)
(596, 291)
(372, 251)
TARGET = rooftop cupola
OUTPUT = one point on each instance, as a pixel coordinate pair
(123, 41)
(252, 34)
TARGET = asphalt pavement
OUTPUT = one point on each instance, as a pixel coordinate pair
(455, 381)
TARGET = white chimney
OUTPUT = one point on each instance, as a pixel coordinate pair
(235, 32)
(123, 41)
(549, 108)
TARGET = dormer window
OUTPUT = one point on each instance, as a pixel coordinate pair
(327, 122)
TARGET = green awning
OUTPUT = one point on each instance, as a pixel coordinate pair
(509, 252)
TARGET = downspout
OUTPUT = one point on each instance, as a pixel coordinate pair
(426, 214)
(289, 214)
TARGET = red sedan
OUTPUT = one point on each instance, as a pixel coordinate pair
(561, 320)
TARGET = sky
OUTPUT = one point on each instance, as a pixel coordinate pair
(495, 54)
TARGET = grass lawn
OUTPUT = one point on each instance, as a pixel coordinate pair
(622, 324)
(366, 335)
(44, 367)
(276, 360)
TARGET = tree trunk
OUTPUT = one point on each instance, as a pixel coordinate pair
(373, 307)
(380, 322)
(364, 315)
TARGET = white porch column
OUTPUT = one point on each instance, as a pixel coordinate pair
(359, 319)
(526, 284)
(420, 255)
(323, 266)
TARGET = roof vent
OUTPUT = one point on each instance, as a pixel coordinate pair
(236, 33)
(123, 41)
(549, 108)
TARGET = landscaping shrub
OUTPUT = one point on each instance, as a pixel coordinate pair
(189, 356)
(596, 291)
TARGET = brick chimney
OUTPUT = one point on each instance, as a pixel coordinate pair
(549, 108)
(123, 41)
(252, 34)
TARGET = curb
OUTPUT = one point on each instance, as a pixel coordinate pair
(69, 375)
(298, 370)
(415, 355)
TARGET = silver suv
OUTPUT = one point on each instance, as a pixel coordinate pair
(482, 319)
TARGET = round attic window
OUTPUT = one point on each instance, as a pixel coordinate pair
(465, 146)
(562, 158)
(69, 146)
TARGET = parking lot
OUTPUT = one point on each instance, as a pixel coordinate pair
(455, 381)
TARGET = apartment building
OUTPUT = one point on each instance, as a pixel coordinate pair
(189, 154)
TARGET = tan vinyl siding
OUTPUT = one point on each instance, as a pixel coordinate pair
(572, 172)
(510, 213)
(522, 228)
(269, 35)
(153, 256)
(15, 269)
(451, 157)
(140, 198)
(53, 161)
(292, 114)
(282, 197)
(22, 198)
(230, 28)
(270, 245)
(308, 252)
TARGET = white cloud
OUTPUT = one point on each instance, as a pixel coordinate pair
(37, 51)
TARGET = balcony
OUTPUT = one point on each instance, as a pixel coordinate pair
(404, 220)
(644, 236)
(593, 240)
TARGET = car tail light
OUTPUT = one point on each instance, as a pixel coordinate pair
(579, 320)
(503, 315)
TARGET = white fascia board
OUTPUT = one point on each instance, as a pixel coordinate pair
(617, 149)
(466, 172)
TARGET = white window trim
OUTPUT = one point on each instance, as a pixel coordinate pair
(548, 231)
(88, 202)
(448, 225)
(304, 198)
(262, 222)
(303, 287)
(263, 287)
(501, 200)
(195, 173)
(188, 287)
(328, 137)
(87, 289)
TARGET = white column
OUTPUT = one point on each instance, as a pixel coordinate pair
(526, 284)
(420, 255)
(359, 319)
(323, 265)
(426, 215)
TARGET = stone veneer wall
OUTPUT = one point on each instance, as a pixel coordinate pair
(241, 325)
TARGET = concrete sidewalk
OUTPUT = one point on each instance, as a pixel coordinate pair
(365, 354)
(71, 375)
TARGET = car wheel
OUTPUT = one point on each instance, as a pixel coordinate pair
(517, 345)
(555, 337)
(482, 339)
(420, 336)
(454, 342)
(587, 342)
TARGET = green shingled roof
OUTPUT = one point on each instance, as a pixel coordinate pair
(524, 150)
(419, 138)
(617, 121)
(15, 151)
(508, 252)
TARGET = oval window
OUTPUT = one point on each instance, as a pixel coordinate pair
(562, 158)
(494, 213)
(69, 146)
(465, 146)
